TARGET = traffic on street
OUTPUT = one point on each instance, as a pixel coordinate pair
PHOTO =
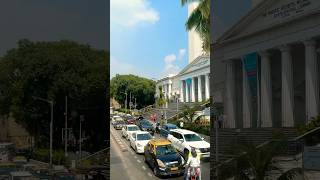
(138, 151)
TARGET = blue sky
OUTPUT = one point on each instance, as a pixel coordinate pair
(148, 37)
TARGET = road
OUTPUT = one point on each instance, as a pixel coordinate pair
(126, 164)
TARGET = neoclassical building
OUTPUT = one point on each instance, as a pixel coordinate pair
(191, 84)
(266, 66)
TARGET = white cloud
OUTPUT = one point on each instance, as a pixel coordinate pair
(170, 67)
(170, 58)
(128, 13)
(118, 67)
(182, 52)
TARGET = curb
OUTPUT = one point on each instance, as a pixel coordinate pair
(118, 140)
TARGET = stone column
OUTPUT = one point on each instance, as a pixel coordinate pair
(230, 94)
(207, 86)
(169, 91)
(187, 92)
(287, 96)
(312, 80)
(247, 106)
(199, 89)
(193, 90)
(266, 90)
(181, 91)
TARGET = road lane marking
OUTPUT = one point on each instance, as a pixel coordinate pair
(149, 174)
(139, 161)
(143, 167)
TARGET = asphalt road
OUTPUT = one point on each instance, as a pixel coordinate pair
(126, 164)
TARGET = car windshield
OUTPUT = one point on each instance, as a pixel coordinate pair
(143, 137)
(133, 128)
(165, 150)
(192, 137)
(172, 127)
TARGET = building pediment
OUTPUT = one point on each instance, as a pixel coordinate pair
(199, 63)
(269, 14)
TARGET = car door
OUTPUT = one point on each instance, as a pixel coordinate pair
(124, 129)
(180, 142)
(172, 138)
(133, 139)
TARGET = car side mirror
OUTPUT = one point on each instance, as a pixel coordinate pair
(202, 138)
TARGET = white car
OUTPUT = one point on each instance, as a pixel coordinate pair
(127, 130)
(183, 140)
(138, 140)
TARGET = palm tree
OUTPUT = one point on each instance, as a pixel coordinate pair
(199, 20)
(189, 113)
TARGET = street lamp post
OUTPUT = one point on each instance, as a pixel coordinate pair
(51, 125)
(80, 136)
(125, 104)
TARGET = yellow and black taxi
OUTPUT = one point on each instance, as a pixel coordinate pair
(163, 158)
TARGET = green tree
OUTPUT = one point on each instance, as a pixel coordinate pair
(142, 89)
(189, 112)
(199, 20)
(53, 70)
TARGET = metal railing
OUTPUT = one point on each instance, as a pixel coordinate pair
(297, 143)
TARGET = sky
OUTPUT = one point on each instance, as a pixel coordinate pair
(83, 21)
(148, 37)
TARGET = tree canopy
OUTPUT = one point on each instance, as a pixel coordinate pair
(142, 89)
(199, 20)
(53, 70)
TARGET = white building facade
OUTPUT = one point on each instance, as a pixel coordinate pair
(266, 67)
(192, 83)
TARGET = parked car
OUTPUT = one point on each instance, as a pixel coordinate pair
(163, 158)
(145, 125)
(165, 129)
(119, 124)
(115, 119)
(127, 130)
(131, 121)
(138, 140)
(183, 140)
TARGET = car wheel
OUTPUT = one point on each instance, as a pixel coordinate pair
(136, 149)
(155, 171)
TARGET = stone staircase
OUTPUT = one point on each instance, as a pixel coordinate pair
(171, 110)
(228, 138)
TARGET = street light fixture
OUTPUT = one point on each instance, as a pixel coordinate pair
(51, 124)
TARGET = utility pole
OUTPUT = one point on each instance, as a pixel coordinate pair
(135, 103)
(126, 100)
(51, 133)
(80, 137)
(130, 103)
(66, 130)
(50, 102)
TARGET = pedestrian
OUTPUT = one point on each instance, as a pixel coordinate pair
(181, 124)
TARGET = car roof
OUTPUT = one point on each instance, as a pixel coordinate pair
(183, 131)
(132, 125)
(142, 132)
(170, 125)
(159, 142)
